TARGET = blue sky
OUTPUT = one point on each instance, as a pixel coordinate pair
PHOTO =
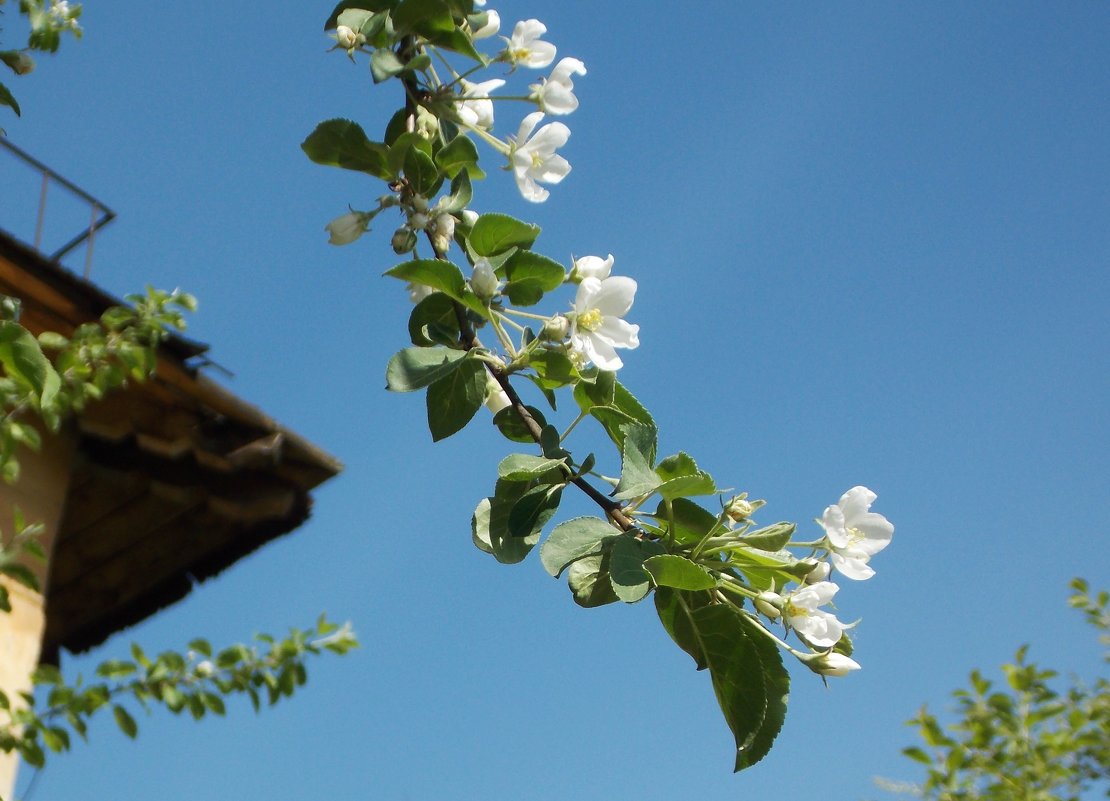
(871, 243)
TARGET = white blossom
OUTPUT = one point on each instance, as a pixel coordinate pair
(854, 533)
(819, 628)
(347, 38)
(476, 108)
(525, 47)
(496, 398)
(492, 26)
(346, 229)
(555, 94)
(593, 267)
(533, 159)
(596, 328)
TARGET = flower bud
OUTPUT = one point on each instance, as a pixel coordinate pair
(204, 669)
(556, 328)
(418, 203)
(404, 240)
(496, 398)
(417, 292)
(427, 123)
(593, 267)
(819, 573)
(346, 229)
(469, 217)
(19, 61)
(418, 221)
(740, 508)
(347, 38)
(492, 25)
(442, 230)
(769, 604)
(484, 282)
(829, 663)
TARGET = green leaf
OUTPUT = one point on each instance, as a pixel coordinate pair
(368, 5)
(553, 369)
(454, 399)
(460, 155)
(681, 477)
(671, 570)
(8, 99)
(622, 409)
(434, 322)
(425, 17)
(917, 755)
(525, 467)
(637, 476)
(415, 368)
(508, 422)
(599, 391)
(496, 233)
(125, 722)
(530, 275)
(530, 514)
(588, 578)
(422, 174)
(442, 276)
(691, 522)
(343, 143)
(626, 567)
(573, 539)
(23, 361)
(776, 689)
(771, 538)
(490, 524)
(115, 669)
(384, 64)
(673, 608)
(460, 196)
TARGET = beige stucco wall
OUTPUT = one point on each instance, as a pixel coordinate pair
(40, 495)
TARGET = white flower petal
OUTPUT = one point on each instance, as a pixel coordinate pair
(620, 333)
(614, 296)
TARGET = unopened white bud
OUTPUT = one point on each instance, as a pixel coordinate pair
(204, 669)
(484, 282)
(830, 663)
(443, 230)
(468, 217)
(419, 203)
(403, 241)
(347, 38)
(740, 508)
(496, 398)
(556, 328)
(346, 229)
(819, 573)
(769, 604)
(492, 26)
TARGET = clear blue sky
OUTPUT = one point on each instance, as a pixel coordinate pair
(872, 246)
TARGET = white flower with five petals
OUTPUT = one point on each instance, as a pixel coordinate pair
(820, 629)
(596, 328)
(855, 533)
(555, 94)
(525, 47)
(533, 159)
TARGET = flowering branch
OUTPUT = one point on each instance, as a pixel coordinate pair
(720, 584)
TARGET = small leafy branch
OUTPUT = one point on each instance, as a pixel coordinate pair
(725, 588)
(48, 24)
(195, 682)
(1026, 741)
(36, 389)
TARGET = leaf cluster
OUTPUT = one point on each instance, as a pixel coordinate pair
(1025, 739)
(195, 682)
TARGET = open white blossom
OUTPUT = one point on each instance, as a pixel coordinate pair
(855, 533)
(476, 108)
(526, 49)
(555, 94)
(533, 159)
(593, 267)
(800, 608)
(492, 26)
(596, 328)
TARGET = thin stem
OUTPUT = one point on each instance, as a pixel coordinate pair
(581, 416)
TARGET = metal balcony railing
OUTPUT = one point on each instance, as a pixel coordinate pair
(12, 192)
